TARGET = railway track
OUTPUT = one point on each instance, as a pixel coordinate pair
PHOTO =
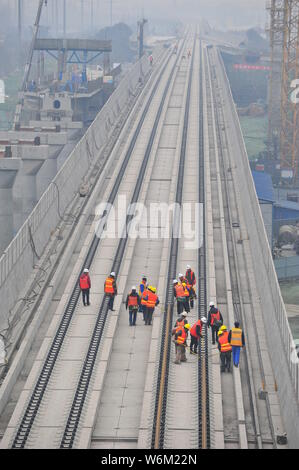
(251, 422)
(162, 388)
(35, 400)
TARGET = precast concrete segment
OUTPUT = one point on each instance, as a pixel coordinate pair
(270, 419)
(227, 281)
(130, 348)
(181, 432)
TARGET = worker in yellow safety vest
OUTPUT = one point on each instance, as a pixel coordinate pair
(236, 339)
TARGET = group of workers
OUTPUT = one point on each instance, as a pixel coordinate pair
(184, 291)
(146, 300)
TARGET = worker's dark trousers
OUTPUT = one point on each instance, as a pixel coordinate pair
(143, 309)
(225, 360)
(215, 330)
(180, 307)
(132, 317)
(111, 301)
(149, 315)
(194, 343)
(186, 305)
(85, 296)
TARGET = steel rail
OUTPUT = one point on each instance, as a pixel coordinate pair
(203, 364)
(30, 413)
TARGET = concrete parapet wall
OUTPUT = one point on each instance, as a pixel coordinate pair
(17, 262)
(279, 337)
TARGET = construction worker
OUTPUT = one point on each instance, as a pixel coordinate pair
(85, 286)
(191, 281)
(215, 321)
(225, 349)
(182, 320)
(110, 290)
(236, 339)
(180, 335)
(181, 294)
(151, 59)
(152, 301)
(142, 287)
(133, 302)
(143, 303)
(196, 333)
(184, 283)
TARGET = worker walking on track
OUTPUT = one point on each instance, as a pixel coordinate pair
(236, 339)
(184, 283)
(152, 301)
(143, 303)
(180, 294)
(191, 281)
(196, 333)
(215, 321)
(133, 302)
(180, 335)
(225, 349)
(142, 288)
(110, 290)
(85, 286)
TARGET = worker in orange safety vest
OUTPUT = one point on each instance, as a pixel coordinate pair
(152, 300)
(133, 302)
(225, 349)
(196, 333)
(180, 335)
(85, 286)
(110, 290)
(191, 281)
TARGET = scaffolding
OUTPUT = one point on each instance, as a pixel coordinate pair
(276, 11)
(289, 135)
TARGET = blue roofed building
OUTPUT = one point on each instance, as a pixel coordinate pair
(265, 193)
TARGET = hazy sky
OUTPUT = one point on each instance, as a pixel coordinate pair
(221, 13)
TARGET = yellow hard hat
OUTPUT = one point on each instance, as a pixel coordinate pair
(184, 284)
(220, 333)
(223, 328)
(187, 326)
(151, 288)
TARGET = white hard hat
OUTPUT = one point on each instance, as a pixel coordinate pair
(175, 281)
(86, 270)
(212, 304)
(188, 267)
(112, 274)
(181, 275)
(184, 314)
(134, 288)
(204, 320)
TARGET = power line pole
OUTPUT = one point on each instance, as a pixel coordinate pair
(20, 30)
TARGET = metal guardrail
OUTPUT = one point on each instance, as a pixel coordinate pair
(16, 263)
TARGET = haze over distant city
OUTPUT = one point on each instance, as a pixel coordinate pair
(222, 14)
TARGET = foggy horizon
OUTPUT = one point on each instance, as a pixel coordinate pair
(221, 14)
